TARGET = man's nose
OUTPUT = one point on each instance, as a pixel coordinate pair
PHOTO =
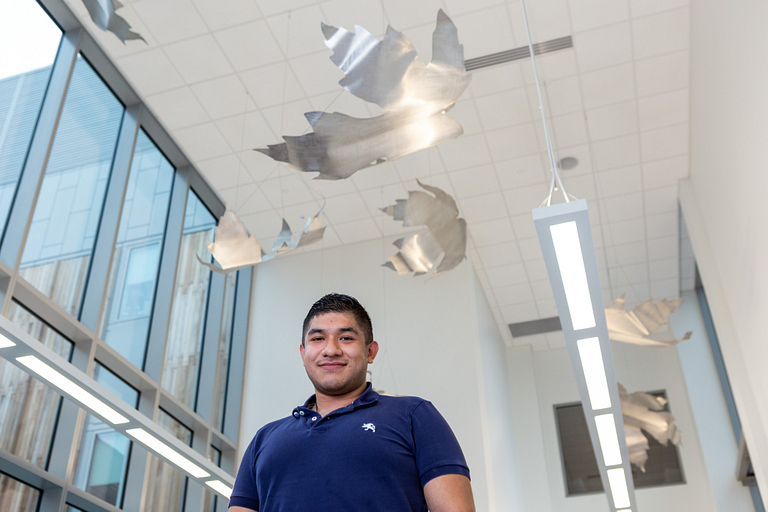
(333, 347)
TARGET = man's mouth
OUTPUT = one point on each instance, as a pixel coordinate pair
(333, 365)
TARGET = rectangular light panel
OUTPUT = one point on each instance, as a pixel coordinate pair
(565, 238)
(166, 451)
(220, 487)
(72, 389)
(609, 439)
(594, 373)
(5, 342)
(618, 482)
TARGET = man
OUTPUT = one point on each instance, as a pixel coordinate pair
(348, 448)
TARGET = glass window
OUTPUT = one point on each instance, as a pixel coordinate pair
(581, 472)
(60, 241)
(210, 497)
(190, 295)
(28, 408)
(17, 496)
(131, 293)
(103, 460)
(222, 354)
(167, 485)
(34, 39)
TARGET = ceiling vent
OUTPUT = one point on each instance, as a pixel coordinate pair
(523, 52)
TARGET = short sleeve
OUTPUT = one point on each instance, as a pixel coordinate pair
(245, 493)
(437, 450)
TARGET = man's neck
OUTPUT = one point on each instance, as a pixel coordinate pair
(325, 404)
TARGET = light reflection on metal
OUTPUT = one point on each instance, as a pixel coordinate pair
(234, 249)
(646, 325)
(414, 99)
(447, 233)
(103, 14)
(313, 232)
(643, 411)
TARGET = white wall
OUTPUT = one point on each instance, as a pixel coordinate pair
(638, 369)
(710, 413)
(430, 334)
(729, 109)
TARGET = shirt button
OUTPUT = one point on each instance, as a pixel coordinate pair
(295, 414)
(301, 412)
(314, 418)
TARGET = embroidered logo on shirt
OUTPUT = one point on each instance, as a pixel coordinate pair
(369, 426)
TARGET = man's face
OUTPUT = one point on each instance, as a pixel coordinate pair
(334, 353)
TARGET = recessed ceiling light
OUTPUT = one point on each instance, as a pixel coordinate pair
(567, 163)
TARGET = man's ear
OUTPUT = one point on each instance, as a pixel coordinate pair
(301, 350)
(373, 349)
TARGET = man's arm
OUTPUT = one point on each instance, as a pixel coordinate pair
(448, 493)
(241, 509)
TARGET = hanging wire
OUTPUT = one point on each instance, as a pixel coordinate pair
(552, 165)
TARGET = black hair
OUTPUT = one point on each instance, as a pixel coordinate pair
(339, 303)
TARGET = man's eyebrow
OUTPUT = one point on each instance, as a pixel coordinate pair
(340, 329)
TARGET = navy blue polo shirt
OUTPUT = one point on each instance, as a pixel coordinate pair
(375, 454)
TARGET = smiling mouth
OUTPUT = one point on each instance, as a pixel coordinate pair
(332, 366)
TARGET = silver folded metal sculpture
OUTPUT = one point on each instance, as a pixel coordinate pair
(644, 412)
(645, 325)
(413, 97)
(103, 14)
(447, 233)
(234, 249)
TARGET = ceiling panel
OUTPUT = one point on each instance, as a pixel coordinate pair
(225, 78)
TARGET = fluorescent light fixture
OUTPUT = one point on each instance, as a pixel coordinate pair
(5, 342)
(594, 373)
(72, 389)
(220, 487)
(166, 451)
(619, 491)
(565, 238)
(609, 439)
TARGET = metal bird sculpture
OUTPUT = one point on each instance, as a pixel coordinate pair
(313, 232)
(103, 14)
(447, 233)
(645, 325)
(234, 249)
(414, 99)
(644, 412)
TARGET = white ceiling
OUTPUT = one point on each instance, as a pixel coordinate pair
(224, 77)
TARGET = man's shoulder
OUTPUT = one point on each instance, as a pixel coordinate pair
(264, 432)
(402, 403)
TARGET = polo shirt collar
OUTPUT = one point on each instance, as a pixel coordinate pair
(368, 397)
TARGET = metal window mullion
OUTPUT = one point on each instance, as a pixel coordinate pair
(234, 389)
(137, 476)
(31, 179)
(209, 352)
(161, 312)
(109, 224)
(193, 498)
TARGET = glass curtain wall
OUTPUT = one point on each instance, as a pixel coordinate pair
(190, 298)
(130, 297)
(28, 408)
(71, 222)
(60, 241)
(16, 496)
(222, 353)
(167, 485)
(23, 80)
(103, 461)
